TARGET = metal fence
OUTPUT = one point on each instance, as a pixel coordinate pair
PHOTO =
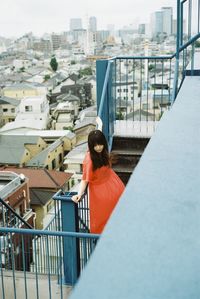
(59, 263)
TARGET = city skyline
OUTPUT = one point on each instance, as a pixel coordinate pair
(39, 16)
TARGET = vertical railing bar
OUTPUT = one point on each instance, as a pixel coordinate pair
(85, 251)
(126, 88)
(162, 86)
(55, 255)
(72, 269)
(147, 115)
(57, 223)
(50, 251)
(184, 63)
(2, 276)
(13, 264)
(24, 266)
(154, 91)
(38, 257)
(198, 16)
(189, 18)
(133, 68)
(192, 60)
(48, 265)
(36, 269)
(170, 74)
(120, 93)
(181, 24)
(44, 257)
(60, 278)
(140, 87)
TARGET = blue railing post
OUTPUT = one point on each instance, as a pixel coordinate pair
(101, 68)
(178, 40)
(71, 258)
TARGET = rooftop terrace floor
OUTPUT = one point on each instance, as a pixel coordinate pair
(128, 128)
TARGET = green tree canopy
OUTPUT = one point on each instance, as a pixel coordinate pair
(85, 72)
(46, 77)
(54, 64)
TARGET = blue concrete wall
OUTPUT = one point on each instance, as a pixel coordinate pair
(150, 248)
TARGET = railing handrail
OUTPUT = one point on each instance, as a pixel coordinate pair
(189, 42)
(16, 214)
(47, 233)
(144, 57)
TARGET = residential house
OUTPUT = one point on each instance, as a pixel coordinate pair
(48, 137)
(21, 90)
(34, 109)
(92, 81)
(15, 212)
(43, 184)
(73, 162)
(80, 90)
(9, 109)
(18, 150)
(85, 123)
(19, 64)
(66, 112)
(50, 158)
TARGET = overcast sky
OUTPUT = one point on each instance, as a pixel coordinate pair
(40, 16)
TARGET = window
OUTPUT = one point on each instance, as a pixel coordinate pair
(60, 158)
(53, 163)
(50, 206)
(5, 110)
(13, 110)
(28, 108)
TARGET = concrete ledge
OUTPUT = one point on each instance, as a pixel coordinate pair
(150, 248)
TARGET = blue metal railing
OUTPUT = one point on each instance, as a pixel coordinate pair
(63, 259)
(142, 88)
(10, 218)
(60, 252)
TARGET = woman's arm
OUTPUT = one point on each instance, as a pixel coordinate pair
(99, 123)
(82, 188)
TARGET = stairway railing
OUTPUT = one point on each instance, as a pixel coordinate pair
(57, 260)
(9, 218)
(142, 88)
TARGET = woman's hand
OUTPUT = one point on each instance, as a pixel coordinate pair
(76, 198)
(99, 123)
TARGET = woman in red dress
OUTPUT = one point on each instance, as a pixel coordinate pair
(105, 187)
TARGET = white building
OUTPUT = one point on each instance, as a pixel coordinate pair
(35, 109)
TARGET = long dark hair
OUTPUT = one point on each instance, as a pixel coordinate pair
(98, 159)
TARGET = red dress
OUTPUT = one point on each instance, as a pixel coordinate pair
(105, 189)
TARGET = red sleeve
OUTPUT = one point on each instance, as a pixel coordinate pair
(87, 168)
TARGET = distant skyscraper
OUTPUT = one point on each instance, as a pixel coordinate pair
(162, 21)
(157, 23)
(93, 24)
(141, 29)
(167, 20)
(75, 24)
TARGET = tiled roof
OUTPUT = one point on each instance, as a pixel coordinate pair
(40, 197)
(43, 178)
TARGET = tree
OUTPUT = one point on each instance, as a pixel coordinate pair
(85, 72)
(54, 63)
(46, 77)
